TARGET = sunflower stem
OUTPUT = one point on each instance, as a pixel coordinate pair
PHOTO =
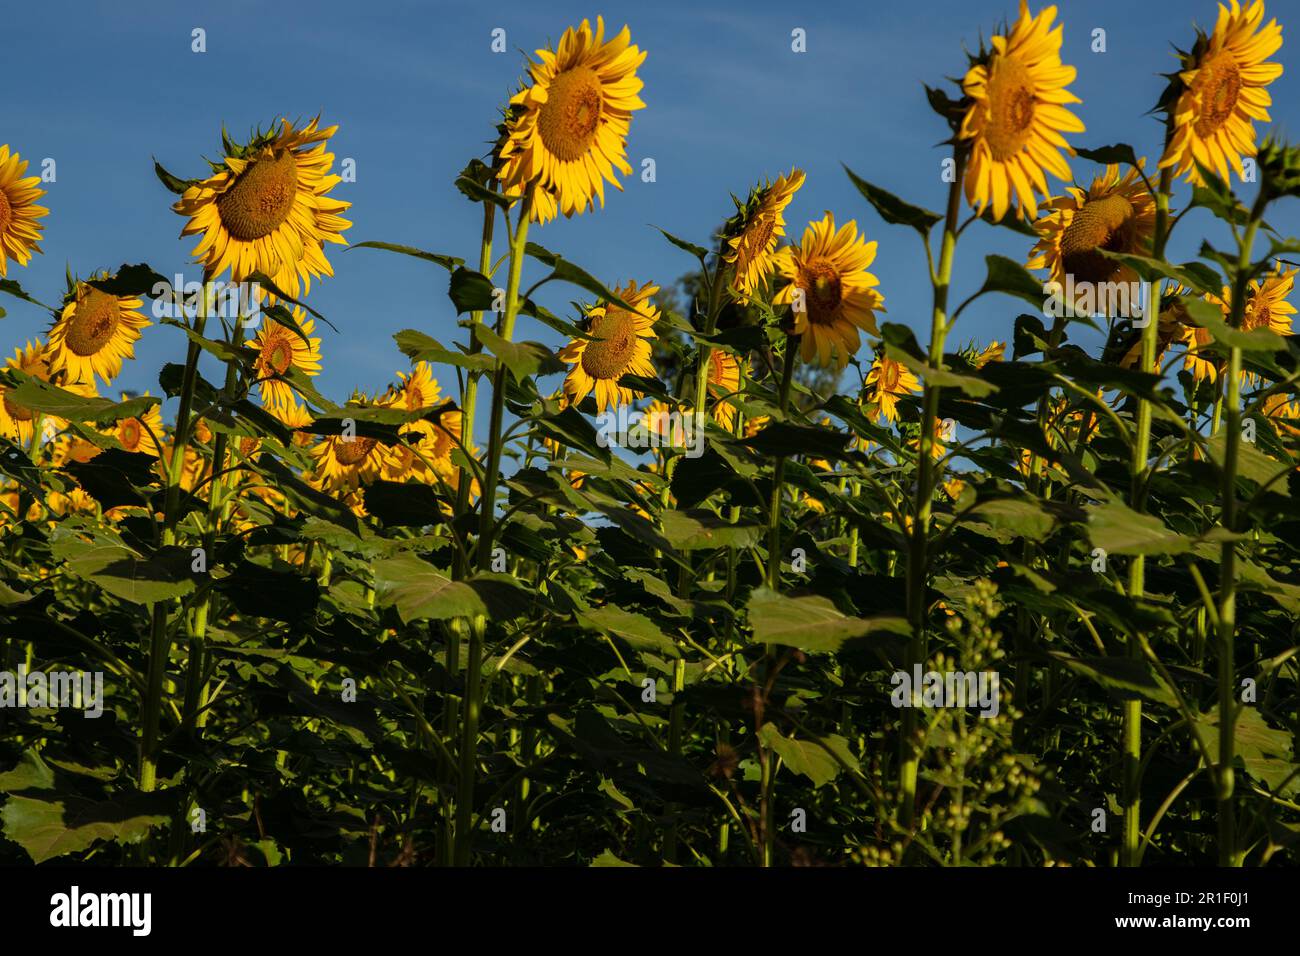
(159, 649)
(483, 550)
(1224, 778)
(1131, 736)
(917, 555)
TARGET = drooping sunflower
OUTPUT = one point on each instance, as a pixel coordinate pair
(344, 462)
(17, 422)
(724, 383)
(1221, 92)
(887, 382)
(757, 228)
(833, 293)
(619, 345)
(140, 433)
(567, 130)
(279, 349)
(1115, 214)
(93, 334)
(267, 209)
(19, 230)
(1017, 115)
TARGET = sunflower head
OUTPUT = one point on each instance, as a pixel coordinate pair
(17, 422)
(267, 209)
(752, 235)
(1267, 302)
(94, 332)
(830, 291)
(887, 382)
(280, 349)
(567, 128)
(419, 388)
(724, 383)
(619, 345)
(140, 433)
(1016, 115)
(1221, 90)
(346, 461)
(19, 230)
(1115, 214)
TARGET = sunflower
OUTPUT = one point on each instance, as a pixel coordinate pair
(434, 442)
(1115, 214)
(140, 433)
(17, 422)
(619, 345)
(343, 462)
(567, 131)
(280, 349)
(758, 227)
(419, 388)
(1017, 116)
(19, 231)
(837, 293)
(724, 382)
(995, 351)
(267, 209)
(888, 381)
(296, 416)
(93, 334)
(1221, 91)
(1266, 303)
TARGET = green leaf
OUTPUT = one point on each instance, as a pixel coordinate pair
(524, 359)
(814, 759)
(693, 530)
(1024, 516)
(43, 397)
(125, 573)
(1118, 529)
(63, 824)
(437, 258)
(1119, 153)
(639, 631)
(10, 287)
(422, 348)
(1210, 316)
(566, 271)
(1266, 753)
(810, 623)
(173, 183)
(471, 291)
(892, 209)
(1252, 464)
(420, 591)
(1125, 677)
(699, 252)
(1010, 277)
(132, 281)
(1193, 275)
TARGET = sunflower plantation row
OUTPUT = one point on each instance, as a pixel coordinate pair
(1031, 601)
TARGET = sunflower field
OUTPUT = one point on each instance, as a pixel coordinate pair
(744, 574)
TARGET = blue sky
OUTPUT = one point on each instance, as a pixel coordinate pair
(415, 89)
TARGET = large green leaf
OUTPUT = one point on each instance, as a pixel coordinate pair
(420, 591)
(892, 209)
(814, 759)
(809, 622)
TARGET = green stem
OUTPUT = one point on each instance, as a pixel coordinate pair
(159, 642)
(483, 552)
(1224, 782)
(1131, 735)
(917, 555)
